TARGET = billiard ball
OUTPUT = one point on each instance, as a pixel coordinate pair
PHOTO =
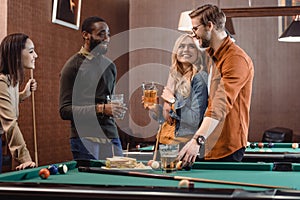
(62, 169)
(150, 163)
(192, 184)
(295, 145)
(184, 183)
(52, 169)
(138, 147)
(260, 145)
(252, 145)
(248, 144)
(270, 145)
(155, 165)
(179, 165)
(44, 173)
(187, 167)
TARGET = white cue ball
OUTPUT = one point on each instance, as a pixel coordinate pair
(150, 163)
(184, 183)
(155, 165)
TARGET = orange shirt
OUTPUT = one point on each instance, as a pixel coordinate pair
(229, 99)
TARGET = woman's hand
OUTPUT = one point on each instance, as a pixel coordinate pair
(167, 95)
(30, 86)
(28, 164)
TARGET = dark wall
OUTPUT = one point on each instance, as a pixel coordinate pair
(54, 45)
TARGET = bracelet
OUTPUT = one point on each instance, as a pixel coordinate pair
(103, 108)
(98, 109)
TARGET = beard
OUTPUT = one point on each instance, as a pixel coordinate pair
(205, 43)
(206, 40)
(98, 46)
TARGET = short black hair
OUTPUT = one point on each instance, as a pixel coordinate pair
(87, 24)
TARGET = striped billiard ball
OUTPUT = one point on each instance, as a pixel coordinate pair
(62, 169)
(295, 145)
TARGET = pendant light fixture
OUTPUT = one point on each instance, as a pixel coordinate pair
(292, 33)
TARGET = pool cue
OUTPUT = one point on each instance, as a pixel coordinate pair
(113, 151)
(127, 149)
(157, 141)
(34, 124)
(166, 177)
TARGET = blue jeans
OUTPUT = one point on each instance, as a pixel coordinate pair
(85, 149)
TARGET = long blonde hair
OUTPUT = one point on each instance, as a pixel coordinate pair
(182, 84)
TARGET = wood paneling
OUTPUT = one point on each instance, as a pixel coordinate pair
(262, 11)
(275, 95)
(275, 91)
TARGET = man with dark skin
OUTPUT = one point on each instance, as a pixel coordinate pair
(86, 80)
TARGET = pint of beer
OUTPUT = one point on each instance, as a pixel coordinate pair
(150, 93)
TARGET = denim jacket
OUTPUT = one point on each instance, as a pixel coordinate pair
(190, 111)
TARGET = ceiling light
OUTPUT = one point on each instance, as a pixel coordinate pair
(292, 33)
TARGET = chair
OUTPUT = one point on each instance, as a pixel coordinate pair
(278, 134)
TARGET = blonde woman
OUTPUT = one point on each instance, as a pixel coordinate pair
(186, 88)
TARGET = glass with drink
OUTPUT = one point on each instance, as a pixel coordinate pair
(117, 99)
(150, 94)
(168, 155)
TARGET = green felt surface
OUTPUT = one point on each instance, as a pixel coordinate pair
(259, 173)
(147, 148)
(277, 148)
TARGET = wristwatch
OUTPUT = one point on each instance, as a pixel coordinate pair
(172, 100)
(200, 140)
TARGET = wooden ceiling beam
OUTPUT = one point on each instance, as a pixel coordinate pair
(262, 11)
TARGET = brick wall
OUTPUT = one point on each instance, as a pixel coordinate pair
(54, 45)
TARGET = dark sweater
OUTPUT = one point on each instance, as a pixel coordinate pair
(85, 82)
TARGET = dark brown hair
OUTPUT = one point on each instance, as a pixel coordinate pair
(11, 57)
(210, 13)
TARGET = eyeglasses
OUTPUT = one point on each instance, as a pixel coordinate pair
(195, 28)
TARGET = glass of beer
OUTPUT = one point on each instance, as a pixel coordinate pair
(168, 154)
(150, 93)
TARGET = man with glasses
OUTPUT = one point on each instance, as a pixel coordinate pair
(224, 130)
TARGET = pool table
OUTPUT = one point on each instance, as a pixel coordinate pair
(280, 152)
(214, 180)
